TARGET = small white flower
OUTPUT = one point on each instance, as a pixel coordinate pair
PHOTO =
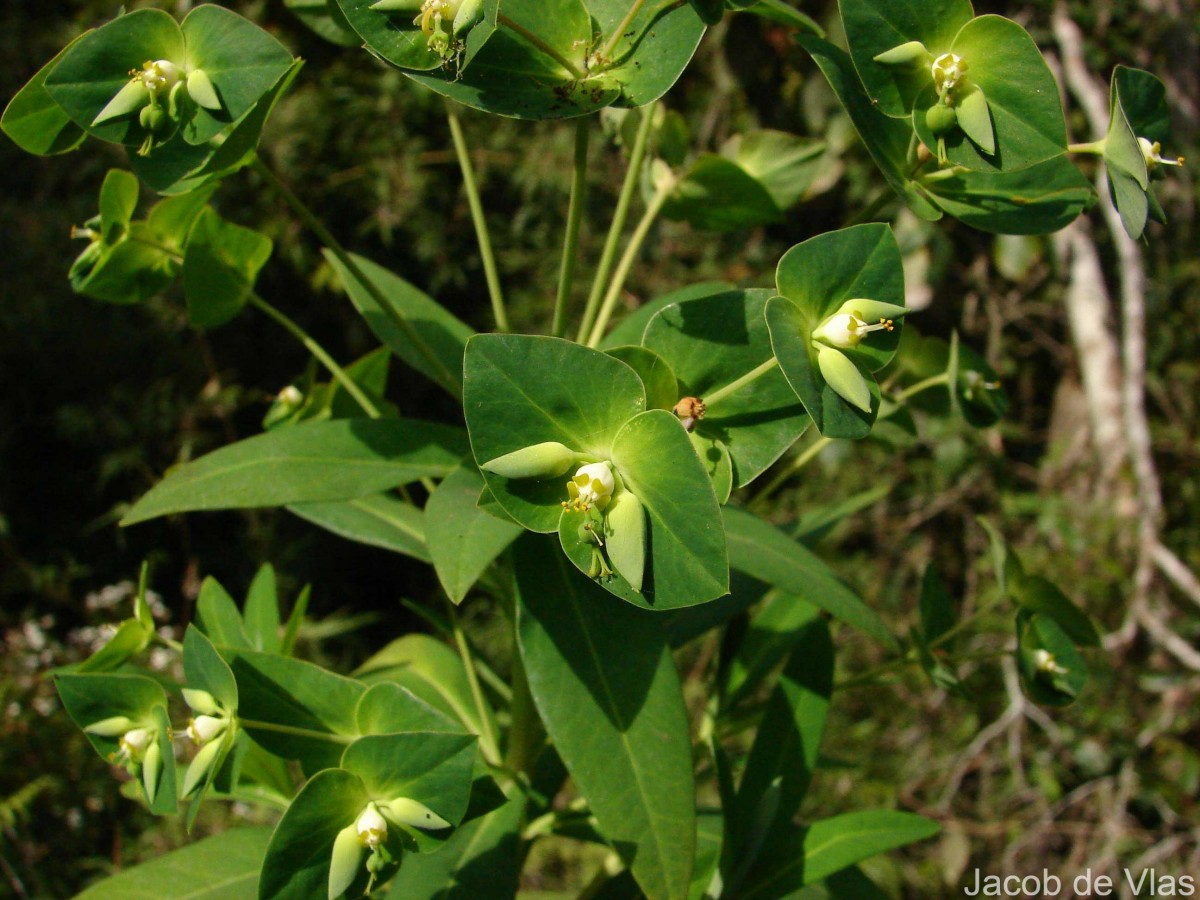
(592, 486)
(846, 330)
(371, 827)
(948, 69)
(203, 729)
(1152, 153)
(133, 746)
(1045, 662)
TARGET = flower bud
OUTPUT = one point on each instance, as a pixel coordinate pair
(409, 812)
(903, 54)
(843, 376)
(548, 459)
(200, 88)
(201, 701)
(111, 726)
(199, 767)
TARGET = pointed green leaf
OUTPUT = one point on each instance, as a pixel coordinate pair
(218, 617)
(220, 267)
(794, 857)
(463, 539)
(314, 461)
(435, 769)
(261, 613)
(606, 688)
(237, 854)
(37, 124)
(442, 332)
(768, 555)
(380, 520)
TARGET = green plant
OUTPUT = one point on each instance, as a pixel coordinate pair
(589, 494)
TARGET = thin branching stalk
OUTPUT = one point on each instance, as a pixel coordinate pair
(661, 193)
(325, 236)
(339, 374)
(481, 230)
(632, 175)
(566, 272)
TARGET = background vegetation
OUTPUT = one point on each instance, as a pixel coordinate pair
(97, 401)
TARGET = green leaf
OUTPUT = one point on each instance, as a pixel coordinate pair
(1137, 108)
(775, 626)
(218, 617)
(480, 859)
(687, 561)
(631, 328)
(789, 735)
(794, 857)
(313, 461)
(716, 194)
(179, 167)
(711, 341)
(975, 119)
(768, 555)
(432, 671)
(1022, 97)
(662, 389)
(298, 857)
(875, 26)
(204, 669)
(444, 334)
(1038, 595)
(261, 613)
(886, 139)
(379, 520)
(242, 61)
(1039, 200)
(653, 50)
(312, 707)
(510, 76)
(236, 854)
(220, 267)
(37, 124)
(782, 163)
(604, 683)
(938, 614)
(463, 539)
(815, 278)
(326, 19)
(430, 767)
(387, 708)
(521, 390)
(95, 68)
(1052, 670)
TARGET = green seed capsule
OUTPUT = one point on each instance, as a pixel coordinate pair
(941, 118)
(153, 119)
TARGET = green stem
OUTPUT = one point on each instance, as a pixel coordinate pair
(632, 175)
(323, 234)
(911, 656)
(487, 738)
(541, 45)
(661, 193)
(807, 456)
(611, 44)
(318, 351)
(1092, 148)
(930, 382)
(566, 272)
(298, 732)
(714, 397)
(477, 216)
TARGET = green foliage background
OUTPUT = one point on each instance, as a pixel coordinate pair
(96, 401)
